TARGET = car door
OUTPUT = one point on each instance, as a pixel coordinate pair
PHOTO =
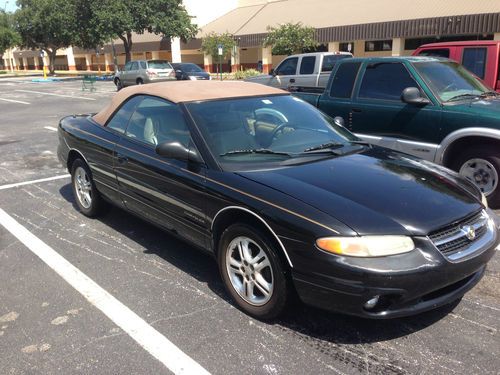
(132, 73)
(308, 72)
(164, 191)
(380, 116)
(284, 74)
(125, 73)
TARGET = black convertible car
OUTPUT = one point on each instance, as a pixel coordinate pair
(284, 197)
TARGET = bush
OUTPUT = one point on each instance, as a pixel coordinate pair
(3, 72)
(243, 74)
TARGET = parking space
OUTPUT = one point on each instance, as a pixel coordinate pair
(48, 326)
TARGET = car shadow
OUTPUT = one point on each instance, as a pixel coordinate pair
(306, 321)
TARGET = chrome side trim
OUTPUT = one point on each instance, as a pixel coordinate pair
(258, 217)
(465, 132)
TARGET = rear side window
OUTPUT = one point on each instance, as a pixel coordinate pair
(474, 59)
(344, 79)
(288, 67)
(307, 65)
(441, 52)
(385, 81)
(134, 66)
(329, 61)
(143, 65)
(121, 117)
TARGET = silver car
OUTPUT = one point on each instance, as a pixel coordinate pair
(139, 72)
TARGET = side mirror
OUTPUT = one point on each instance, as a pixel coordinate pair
(272, 72)
(175, 150)
(412, 95)
(339, 121)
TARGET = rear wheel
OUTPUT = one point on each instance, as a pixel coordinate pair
(88, 199)
(252, 272)
(481, 165)
(119, 84)
(139, 81)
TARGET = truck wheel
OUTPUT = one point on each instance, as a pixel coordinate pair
(482, 167)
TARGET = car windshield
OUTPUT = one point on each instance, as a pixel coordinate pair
(267, 130)
(159, 64)
(191, 68)
(450, 81)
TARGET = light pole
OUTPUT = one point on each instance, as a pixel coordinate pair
(5, 6)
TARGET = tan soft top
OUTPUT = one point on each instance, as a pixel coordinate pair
(188, 91)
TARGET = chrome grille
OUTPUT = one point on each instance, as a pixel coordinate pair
(452, 238)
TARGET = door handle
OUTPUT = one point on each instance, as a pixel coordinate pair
(122, 159)
(357, 110)
(292, 80)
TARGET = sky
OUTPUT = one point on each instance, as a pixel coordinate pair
(8, 5)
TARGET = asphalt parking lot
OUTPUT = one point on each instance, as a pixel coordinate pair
(47, 326)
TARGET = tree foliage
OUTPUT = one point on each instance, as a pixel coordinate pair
(210, 44)
(8, 35)
(290, 38)
(48, 25)
(103, 20)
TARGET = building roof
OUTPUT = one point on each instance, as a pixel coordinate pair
(188, 91)
(326, 13)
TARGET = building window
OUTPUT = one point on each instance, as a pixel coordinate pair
(344, 47)
(378, 45)
(414, 43)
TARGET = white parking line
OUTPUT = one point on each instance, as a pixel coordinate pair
(145, 335)
(9, 186)
(14, 101)
(50, 128)
(60, 95)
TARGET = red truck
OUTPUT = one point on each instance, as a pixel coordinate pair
(482, 58)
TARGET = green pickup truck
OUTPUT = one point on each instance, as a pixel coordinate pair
(428, 107)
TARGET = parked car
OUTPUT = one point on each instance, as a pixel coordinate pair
(428, 107)
(185, 71)
(144, 71)
(306, 69)
(302, 204)
(481, 57)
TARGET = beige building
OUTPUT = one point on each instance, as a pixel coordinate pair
(364, 27)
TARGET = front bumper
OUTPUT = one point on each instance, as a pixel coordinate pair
(407, 284)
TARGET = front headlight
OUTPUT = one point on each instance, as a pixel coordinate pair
(484, 201)
(367, 246)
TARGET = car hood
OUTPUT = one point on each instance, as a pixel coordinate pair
(376, 191)
(484, 107)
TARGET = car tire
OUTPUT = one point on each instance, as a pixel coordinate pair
(119, 84)
(139, 81)
(481, 165)
(252, 272)
(88, 199)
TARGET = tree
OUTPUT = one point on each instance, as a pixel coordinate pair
(8, 36)
(48, 25)
(210, 44)
(109, 19)
(290, 38)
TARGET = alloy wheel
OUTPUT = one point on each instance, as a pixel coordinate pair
(83, 187)
(482, 173)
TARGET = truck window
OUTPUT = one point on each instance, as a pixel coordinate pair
(288, 67)
(344, 79)
(385, 81)
(307, 65)
(474, 59)
(441, 52)
(329, 61)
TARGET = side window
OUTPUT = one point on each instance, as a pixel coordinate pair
(288, 67)
(307, 65)
(474, 59)
(344, 79)
(134, 65)
(385, 81)
(121, 117)
(128, 66)
(329, 61)
(143, 64)
(441, 52)
(156, 121)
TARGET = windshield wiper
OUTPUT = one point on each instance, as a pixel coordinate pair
(256, 151)
(457, 97)
(489, 93)
(325, 146)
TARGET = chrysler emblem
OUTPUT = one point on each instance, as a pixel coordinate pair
(469, 232)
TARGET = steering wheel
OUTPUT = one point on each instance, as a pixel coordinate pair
(280, 128)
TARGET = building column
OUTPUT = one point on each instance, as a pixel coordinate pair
(88, 62)
(25, 63)
(333, 46)
(208, 63)
(496, 36)
(235, 59)
(155, 55)
(108, 61)
(267, 60)
(398, 46)
(358, 50)
(36, 61)
(16, 63)
(71, 59)
(5, 63)
(175, 45)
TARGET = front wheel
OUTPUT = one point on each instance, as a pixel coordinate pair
(482, 167)
(88, 199)
(119, 84)
(252, 272)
